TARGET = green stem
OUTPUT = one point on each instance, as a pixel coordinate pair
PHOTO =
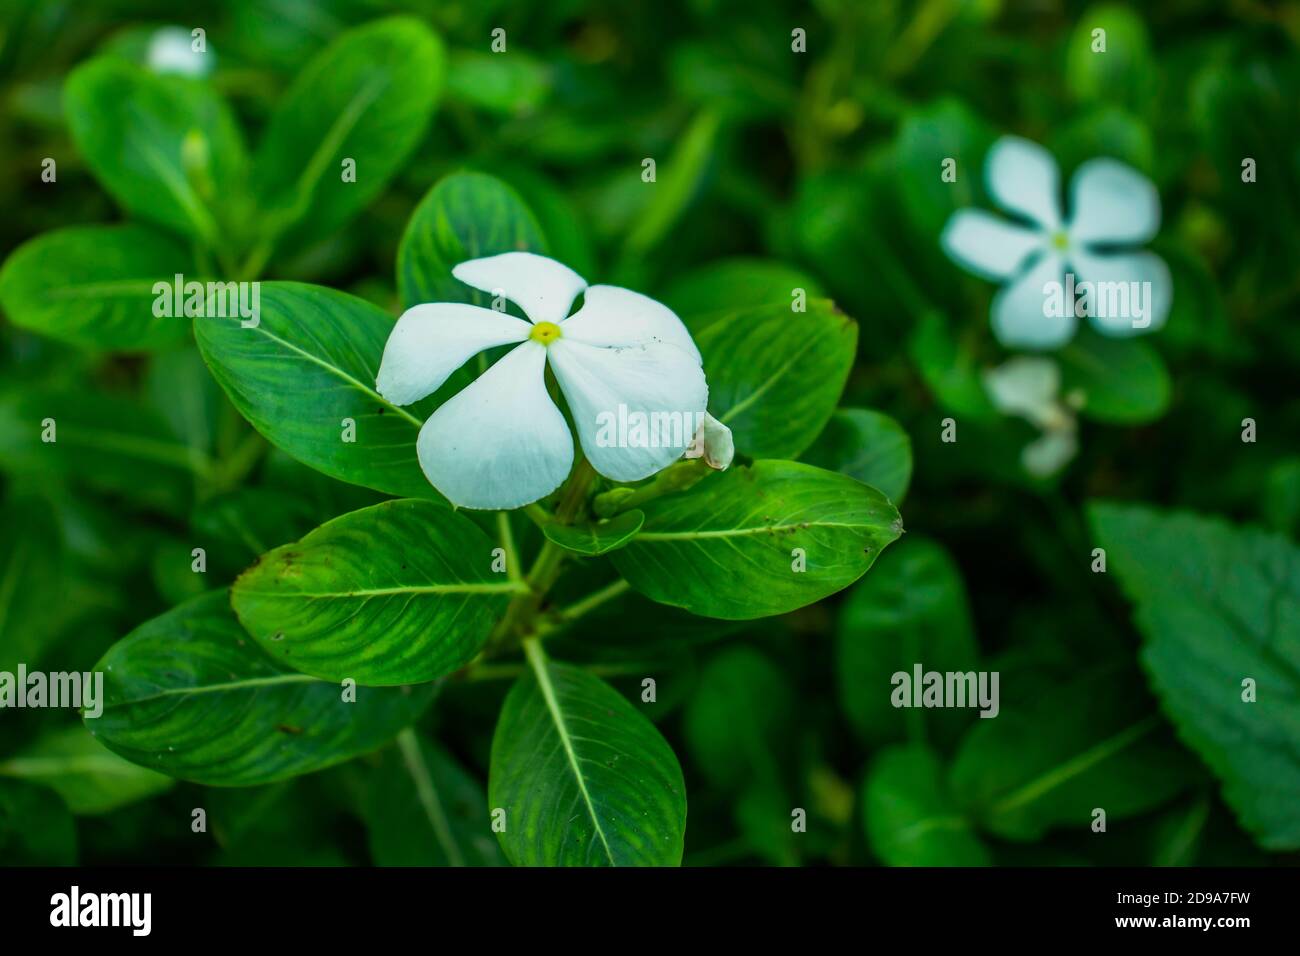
(508, 545)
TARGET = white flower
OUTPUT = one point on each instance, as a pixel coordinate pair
(1112, 206)
(501, 442)
(171, 50)
(1030, 387)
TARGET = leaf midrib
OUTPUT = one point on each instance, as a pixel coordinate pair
(741, 532)
(505, 587)
(537, 658)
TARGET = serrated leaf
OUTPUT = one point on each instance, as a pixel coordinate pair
(728, 547)
(191, 695)
(1216, 605)
(399, 593)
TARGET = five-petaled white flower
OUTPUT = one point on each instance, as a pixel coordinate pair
(501, 442)
(1112, 206)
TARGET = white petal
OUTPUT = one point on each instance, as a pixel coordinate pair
(988, 245)
(614, 316)
(431, 341)
(542, 287)
(713, 443)
(636, 409)
(1019, 314)
(1152, 295)
(1026, 386)
(1023, 177)
(500, 443)
(1112, 202)
(1049, 452)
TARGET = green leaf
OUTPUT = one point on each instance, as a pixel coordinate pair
(464, 216)
(910, 610)
(1122, 381)
(1121, 72)
(714, 291)
(423, 809)
(505, 85)
(367, 98)
(92, 286)
(190, 695)
(31, 572)
(1217, 604)
(727, 547)
(103, 441)
(584, 779)
(398, 593)
(1049, 761)
(775, 376)
(596, 537)
(167, 148)
(309, 364)
(90, 779)
(866, 445)
(927, 138)
(909, 815)
(737, 722)
(35, 830)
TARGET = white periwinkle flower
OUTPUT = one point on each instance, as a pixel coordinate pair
(1112, 208)
(501, 442)
(1030, 387)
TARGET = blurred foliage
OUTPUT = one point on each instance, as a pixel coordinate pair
(776, 170)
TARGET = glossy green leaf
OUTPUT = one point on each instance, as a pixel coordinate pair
(89, 778)
(909, 815)
(910, 610)
(716, 290)
(366, 98)
(596, 537)
(305, 370)
(398, 593)
(1114, 380)
(775, 376)
(730, 546)
(1049, 761)
(191, 695)
(93, 286)
(465, 216)
(167, 148)
(1218, 606)
(583, 777)
(423, 809)
(34, 830)
(866, 445)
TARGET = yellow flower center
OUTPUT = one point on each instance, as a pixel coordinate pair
(1061, 240)
(545, 332)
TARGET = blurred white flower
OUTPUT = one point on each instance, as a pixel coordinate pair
(501, 442)
(1112, 208)
(171, 51)
(1030, 387)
